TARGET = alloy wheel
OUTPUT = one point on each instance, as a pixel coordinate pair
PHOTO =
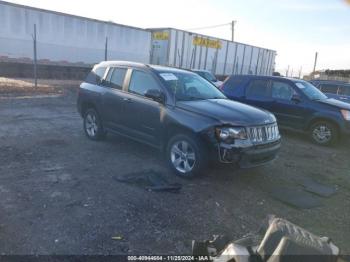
(91, 125)
(322, 134)
(183, 156)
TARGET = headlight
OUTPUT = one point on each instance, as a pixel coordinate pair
(228, 134)
(346, 114)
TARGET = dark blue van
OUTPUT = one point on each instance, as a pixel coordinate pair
(297, 105)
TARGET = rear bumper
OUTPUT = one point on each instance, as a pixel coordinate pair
(249, 157)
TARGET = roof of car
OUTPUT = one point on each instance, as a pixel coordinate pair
(121, 63)
(169, 69)
(335, 82)
(141, 65)
(200, 70)
(269, 77)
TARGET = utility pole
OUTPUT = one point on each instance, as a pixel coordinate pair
(287, 72)
(301, 68)
(291, 75)
(106, 49)
(35, 58)
(316, 56)
(233, 30)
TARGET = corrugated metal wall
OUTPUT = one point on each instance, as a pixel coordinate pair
(68, 38)
(224, 58)
(73, 39)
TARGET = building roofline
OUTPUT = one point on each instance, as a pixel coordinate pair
(69, 15)
(122, 25)
(218, 38)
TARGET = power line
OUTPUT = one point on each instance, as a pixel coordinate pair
(207, 27)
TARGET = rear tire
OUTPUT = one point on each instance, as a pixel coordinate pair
(93, 126)
(186, 156)
(324, 133)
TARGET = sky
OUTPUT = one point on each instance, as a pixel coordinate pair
(296, 29)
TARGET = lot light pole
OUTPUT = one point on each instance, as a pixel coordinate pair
(106, 49)
(233, 29)
(315, 63)
(35, 58)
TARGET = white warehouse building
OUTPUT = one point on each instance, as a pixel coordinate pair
(69, 39)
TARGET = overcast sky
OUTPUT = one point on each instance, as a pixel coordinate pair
(296, 29)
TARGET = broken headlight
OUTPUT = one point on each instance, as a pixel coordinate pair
(346, 114)
(229, 134)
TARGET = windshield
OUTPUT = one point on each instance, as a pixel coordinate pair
(310, 91)
(189, 87)
(209, 76)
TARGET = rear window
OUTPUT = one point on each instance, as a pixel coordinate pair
(329, 88)
(258, 88)
(115, 78)
(344, 90)
(95, 76)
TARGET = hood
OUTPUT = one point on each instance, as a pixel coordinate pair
(228, 112)
(335, 103)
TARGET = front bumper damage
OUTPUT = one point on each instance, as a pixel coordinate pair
(247, 155)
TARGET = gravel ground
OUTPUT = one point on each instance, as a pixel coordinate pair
(58, 194)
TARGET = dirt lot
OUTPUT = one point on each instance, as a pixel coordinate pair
(58, 194)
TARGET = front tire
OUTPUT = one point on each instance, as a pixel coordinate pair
(92, 125)
(324, 133)
(186, 156)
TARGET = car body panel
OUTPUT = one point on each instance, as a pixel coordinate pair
(298, 115)
(148, 121)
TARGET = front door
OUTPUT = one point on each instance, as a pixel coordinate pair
(288, 111)
(142, 114)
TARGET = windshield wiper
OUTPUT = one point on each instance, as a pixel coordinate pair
(191, 98)
(216, 97)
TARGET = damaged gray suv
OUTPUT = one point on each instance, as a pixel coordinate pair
(178, 112)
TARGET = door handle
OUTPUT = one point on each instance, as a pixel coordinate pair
(127, 100)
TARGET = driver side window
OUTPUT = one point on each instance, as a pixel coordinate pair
(281, 90)
(141, 82)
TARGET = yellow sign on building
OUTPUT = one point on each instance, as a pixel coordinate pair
(161, 35)
(201, 41)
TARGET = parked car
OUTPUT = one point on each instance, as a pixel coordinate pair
(334, 89)
(297, 105)
(178, 112)
(209, 76)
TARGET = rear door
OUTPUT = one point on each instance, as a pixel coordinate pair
(142, 114)
(113, 105)
(258, 93)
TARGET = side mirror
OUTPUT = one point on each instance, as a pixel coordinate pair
(156, 95)
(296, 98)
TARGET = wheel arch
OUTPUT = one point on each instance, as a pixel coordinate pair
(173, 129)
(87, 105)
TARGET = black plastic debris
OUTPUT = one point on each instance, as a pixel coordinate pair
(295, 197)
(150, 180)
(317, 188)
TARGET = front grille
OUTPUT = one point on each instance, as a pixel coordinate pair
(262, 134)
